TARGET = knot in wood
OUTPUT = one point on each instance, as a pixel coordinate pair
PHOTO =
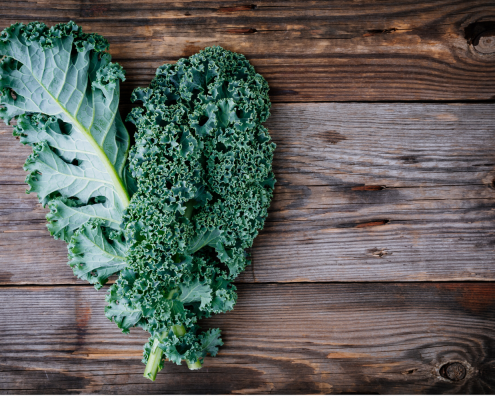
(453, 371)
(485, 42)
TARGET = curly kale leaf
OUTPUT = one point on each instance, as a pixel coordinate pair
(64, 92)
(196, 291)
(203, 166)
(204, 238)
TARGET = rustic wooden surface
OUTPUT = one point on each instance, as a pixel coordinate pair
(385, 196)
(365, 192)
(293, 338)
(308, 50)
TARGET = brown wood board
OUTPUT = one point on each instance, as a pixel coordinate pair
(292, 338)
(371, 198)
(365, 192)
(308, 51)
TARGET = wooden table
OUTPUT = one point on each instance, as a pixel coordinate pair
(375, 272)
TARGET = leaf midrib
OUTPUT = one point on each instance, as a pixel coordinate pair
(117, 182)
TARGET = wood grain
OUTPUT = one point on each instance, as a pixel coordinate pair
(376, 192)
(368, 195)
(292, 338)
(308, 51)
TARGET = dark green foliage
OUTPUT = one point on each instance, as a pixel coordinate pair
(203, 166)
(175, 215)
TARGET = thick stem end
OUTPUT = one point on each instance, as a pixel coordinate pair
(153, 365)
(196, 365)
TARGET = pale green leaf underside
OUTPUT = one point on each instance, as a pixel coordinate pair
(66, 102)
(56, 146)
(62, 218)
(92, 256)
(64, 84)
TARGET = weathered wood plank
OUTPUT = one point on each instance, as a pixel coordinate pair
(396, 145)
(378, 192)
(299, 338)
(308, 51)
(413, 239)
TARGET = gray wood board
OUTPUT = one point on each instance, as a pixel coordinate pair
(289, 338)
(365, 192)
(308, 51)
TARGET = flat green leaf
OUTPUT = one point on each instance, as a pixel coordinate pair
(93, 256)
(49, 173)
(80, 88)
(64, 218)
(61, 86)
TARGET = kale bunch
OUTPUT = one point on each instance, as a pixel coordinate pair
(203, 166)
(174, 214)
